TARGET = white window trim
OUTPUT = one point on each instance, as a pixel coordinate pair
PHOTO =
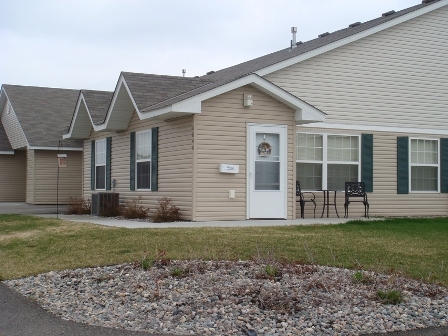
(424, 165)
(144, 160)
(325, 162)
(101, 165)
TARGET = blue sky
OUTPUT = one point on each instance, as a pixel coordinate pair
(85, 44)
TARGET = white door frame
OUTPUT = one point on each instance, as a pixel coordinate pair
(250, 157)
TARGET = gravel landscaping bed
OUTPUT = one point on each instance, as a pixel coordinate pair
(236, 298)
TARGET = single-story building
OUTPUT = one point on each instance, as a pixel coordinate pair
(33, 121)
(366, 103)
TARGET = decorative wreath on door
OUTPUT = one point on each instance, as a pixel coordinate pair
(264, 149)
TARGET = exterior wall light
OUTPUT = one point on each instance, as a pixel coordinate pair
(248, 101)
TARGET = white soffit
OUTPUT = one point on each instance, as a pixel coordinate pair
(349, 39)
(193, 105)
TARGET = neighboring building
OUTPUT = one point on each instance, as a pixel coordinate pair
(369, 102)
(33, 120)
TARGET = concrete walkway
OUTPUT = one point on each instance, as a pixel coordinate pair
(245, 223)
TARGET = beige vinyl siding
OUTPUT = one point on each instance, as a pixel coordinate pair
(45, 170)
(12, 127)
(396, 77)
(30, 177)
(13, 177)
(221, 137)
(175, 163)
(384, 201)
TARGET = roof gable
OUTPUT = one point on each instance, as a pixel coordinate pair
(43, 113)
(148, 90)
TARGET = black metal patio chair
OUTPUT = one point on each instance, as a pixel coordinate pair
(302, 198)
(356, 192)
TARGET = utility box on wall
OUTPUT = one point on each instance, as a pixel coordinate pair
(104, 202)
(229, 168)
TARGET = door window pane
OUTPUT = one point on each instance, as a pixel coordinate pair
(267, 175)
(267, 161)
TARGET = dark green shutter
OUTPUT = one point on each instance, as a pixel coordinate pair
(132, 163)
(92, 166)
(402, 165)
(444, 165)
(108, 161)
(154, 158)
(367, 161)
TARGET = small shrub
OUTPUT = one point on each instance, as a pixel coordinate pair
(360, 277)
(147, 264)
(166, 211)
(177, 272)
(79, 206)
(277, 300)
(133, 209)
(271, 271)
(391, 296)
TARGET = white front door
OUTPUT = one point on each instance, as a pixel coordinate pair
(267, 182)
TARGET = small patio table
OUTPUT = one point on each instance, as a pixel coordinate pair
(327, 201)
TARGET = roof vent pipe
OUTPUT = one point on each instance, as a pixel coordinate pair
(293, 41)
(184, 71)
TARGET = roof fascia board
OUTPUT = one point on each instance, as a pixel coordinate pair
(121, 82)
(377, 128)
(349, 39)
(6, 152)
(81, 100)
(55, 148)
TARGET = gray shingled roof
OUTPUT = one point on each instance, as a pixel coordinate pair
(230, 74)
(4, 142)
(98, 103)
(148, 89)
(43, 113)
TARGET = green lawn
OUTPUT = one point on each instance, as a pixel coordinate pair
(415, 247)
